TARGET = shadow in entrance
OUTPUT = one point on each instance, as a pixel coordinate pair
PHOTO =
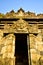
(21, 49)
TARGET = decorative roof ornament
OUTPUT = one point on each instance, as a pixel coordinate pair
(20, 12)
(12, 11)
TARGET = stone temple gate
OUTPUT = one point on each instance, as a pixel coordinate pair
(21, 38)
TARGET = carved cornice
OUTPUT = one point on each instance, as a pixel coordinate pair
(19, 26)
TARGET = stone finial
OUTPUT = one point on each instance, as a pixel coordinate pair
(20, 12)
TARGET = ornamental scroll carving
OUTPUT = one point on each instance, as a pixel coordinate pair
(17, 26)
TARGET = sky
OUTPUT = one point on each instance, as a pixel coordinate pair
(35, 6)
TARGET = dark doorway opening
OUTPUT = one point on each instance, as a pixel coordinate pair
(21, 49)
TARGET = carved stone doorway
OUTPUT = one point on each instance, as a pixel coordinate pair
(21, 49)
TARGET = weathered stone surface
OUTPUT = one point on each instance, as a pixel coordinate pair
(34, 31)
(9, 46)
